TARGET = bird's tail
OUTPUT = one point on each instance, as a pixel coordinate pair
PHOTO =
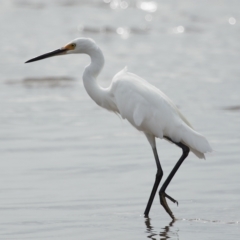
(197, 143)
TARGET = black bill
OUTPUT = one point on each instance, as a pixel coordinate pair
(47, 55)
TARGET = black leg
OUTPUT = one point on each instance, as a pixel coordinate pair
(162, 193)
(156, 184)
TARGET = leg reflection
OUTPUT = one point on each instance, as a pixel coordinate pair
(166, 233)
(150, 230)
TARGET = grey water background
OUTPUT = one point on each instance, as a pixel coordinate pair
(71, 170)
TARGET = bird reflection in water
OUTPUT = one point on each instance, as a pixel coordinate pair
(165, 234)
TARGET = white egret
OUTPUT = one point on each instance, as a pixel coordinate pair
(147, 108)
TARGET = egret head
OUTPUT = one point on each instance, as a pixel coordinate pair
(79, 45)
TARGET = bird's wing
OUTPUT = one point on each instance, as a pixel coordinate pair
(120, 74)
(151, 111)
(119, 78)
(143, 105)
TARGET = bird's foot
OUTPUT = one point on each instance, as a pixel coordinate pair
(163, 202)
(171, 199)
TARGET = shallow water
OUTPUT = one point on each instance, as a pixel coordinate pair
(70, 170)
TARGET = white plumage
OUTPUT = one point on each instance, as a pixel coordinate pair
(147, 108)
(152, 112)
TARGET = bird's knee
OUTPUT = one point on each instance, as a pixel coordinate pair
(159, 173)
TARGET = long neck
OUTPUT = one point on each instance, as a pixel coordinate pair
(97, 93)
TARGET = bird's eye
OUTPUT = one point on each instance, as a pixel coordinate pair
(73, 45)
